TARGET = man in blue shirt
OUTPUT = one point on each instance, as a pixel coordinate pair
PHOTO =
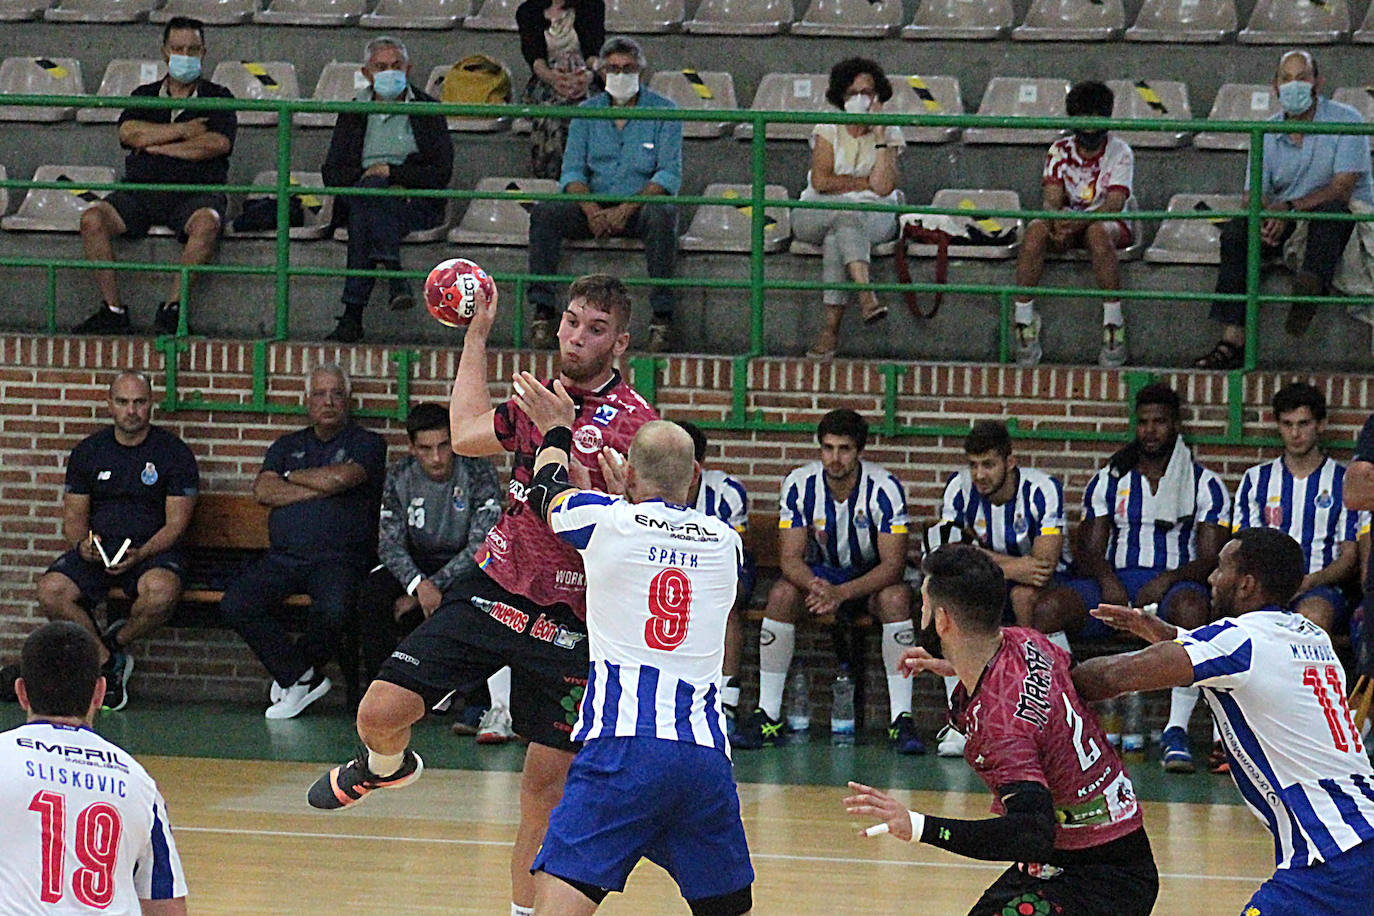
(613, 156)
(1318, 173)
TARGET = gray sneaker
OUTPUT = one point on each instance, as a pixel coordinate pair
(1113, 352)
(1028, 351)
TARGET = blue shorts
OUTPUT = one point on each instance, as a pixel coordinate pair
(95, 583)
(670, 802)
(1134, 579)
(1343, 886)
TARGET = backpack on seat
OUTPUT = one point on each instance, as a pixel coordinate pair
(476, 80)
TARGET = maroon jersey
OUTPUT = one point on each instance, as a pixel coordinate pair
(1026, 723)
(520, 553)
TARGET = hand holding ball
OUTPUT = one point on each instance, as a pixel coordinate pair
(451, 291)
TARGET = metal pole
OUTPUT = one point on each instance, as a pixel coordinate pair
(283, 248)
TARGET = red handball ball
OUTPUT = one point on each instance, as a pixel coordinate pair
(451, 291)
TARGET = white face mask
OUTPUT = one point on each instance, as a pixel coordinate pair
(622, 86)
(858, 104)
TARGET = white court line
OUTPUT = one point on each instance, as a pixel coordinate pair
(771, 856)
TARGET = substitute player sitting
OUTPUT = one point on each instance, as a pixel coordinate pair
(653, 778)
(1067, 812)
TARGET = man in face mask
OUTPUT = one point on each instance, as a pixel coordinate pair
(1319, 173)
(385, 150)
(614, 156)
(165, 145)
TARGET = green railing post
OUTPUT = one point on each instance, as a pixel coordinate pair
(259, 374)
(891, 372)
(283, 249)
(739, 389)
(52, 299)
(1252, 248)
(757, 159)
(1004, 327)
(644, 376)
(403, 359)
(518, 315)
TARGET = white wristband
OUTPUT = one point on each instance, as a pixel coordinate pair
(918, 826)
(414, 584)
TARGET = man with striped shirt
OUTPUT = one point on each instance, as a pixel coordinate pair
(1278, 691)
(841, 550)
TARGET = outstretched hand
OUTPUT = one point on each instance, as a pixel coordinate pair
(546, 408)
(915, 660)
(869, 802)
(1135, 621)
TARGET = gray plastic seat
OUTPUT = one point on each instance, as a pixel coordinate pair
(704, 90)
(417, 14)
(1361, 98)
(1296, 22)
(1016, 96)
(22, 10)
(59, 210)
(961, 19)
(1365, 33)
(974, 200)
(4, 192)
(494, 16)
(850, 19)
(318, 208)
(100, 11)
(210, 12)
(1192, 241)
(39, 76)
(340, 81)
(500, 222)
(122, 77)
(249, 79)
(926, 95)
(1072, 20)
(723, 227)
(740, 17)
(1184, 21)
(1156, 100)
(1238, 102)
(644, 16)
(311, 12)
(788, 92)
(434, 86)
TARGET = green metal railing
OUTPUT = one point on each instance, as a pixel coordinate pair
(644, 370)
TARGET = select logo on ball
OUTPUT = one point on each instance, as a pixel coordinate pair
(451, 291)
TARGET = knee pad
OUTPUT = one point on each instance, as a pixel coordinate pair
(734, 903)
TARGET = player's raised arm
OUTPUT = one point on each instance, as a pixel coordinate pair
(471, 417)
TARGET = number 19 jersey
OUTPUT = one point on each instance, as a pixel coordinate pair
(85, 828)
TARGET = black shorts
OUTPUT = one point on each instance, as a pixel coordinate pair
(95, 583)
(481, 628)
(1125, 887)
(142, 210)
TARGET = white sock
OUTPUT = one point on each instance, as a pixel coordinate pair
(777, 641)
(384, 764)
(1025, 311)
(117, 309)
(1216, 732)
(1181, 703)
(951, 682)
(1060, 639)
(518, 910)
(1111, 313)
(498, 685)
(897, 637)
(729, 691)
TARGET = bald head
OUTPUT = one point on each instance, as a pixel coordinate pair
(662, 463)
(132, 382)
(131, 406)
(1296, 64)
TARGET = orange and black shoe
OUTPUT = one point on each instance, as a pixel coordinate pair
(1217, 761)
(352, 782)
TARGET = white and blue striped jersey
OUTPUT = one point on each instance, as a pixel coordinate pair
(724, 497)
(661, 580)
(1308, 510)
(844, 534)
(85, 828)
(1037, 508)
(1278, 692)
(1136, 540)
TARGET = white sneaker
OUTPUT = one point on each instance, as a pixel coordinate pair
(299, 695)
(496, 726)
(275, 692)
(952, 742)
(1113, 352)
(1028, 349)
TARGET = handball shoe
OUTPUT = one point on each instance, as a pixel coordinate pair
(496, 726)
(350, 783)
(759, 730)
(1174, 753)
(901, 734)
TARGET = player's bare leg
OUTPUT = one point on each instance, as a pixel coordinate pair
(556, 897)
(541, 786)
(60, 599)
(384, 719)
(1058, 613)
(158, 592)
(1023, 599)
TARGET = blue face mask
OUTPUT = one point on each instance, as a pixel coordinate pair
(183, 68)
(389, 84)
(1295, 97)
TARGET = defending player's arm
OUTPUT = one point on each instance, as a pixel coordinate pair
(552, 411)
(471, 418)
(1165, 664)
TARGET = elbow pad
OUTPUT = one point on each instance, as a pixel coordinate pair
(551, 480)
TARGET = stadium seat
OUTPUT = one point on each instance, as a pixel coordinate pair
(122, 76)
(926, 95)
(788, 92)
(39, 76)
(1238, 102)
(417, 14)
(961, 19)
(880, 250)
(22, 10)
(434, 86)
(850, 19)
(973, 200)
(210, 12)
(494, 16)
(1072, 20)
(318, 208)
(723, 227)
(1365, 33)
(706, 90)
(1015, 96)
(1360, 98)
(500, 222)
(249, 79)
(740, 17)
(644, 16)
(58, 210)
(1154, 99)
(340, 81)
(1192, 241)
(311, 12)
(419, 236)
(4, 192)
(99, 10)
(1296, 22)
(1184, 21)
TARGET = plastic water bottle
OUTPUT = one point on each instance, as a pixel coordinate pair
(842, 709)
(1132, 731)
(798, 703)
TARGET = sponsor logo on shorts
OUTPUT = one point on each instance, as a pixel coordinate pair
(1031, 904)
(503, 613)
(545, 630)
(587, 439)
(408, 659)
(572, 704)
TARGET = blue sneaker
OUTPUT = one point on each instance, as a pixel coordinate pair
(1174, 752)
(901, 734)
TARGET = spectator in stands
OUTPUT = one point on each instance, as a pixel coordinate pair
(323, 485)
(1089, 172)
(842, 544)
(1318, 173)
(128, 499)
(173, 146)
(722, 496)
(1154, 522)
(612, 156)
(855, 162)
(560, 40)
(1300, 493)
(385, 151)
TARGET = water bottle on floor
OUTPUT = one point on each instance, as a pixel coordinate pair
(842, 709)
(1132, 729)
(798, 703)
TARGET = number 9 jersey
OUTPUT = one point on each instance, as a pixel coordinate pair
(661, 580)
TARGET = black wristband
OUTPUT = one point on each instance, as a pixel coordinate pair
(558, 437)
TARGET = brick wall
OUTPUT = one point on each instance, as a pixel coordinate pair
(52, 393)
